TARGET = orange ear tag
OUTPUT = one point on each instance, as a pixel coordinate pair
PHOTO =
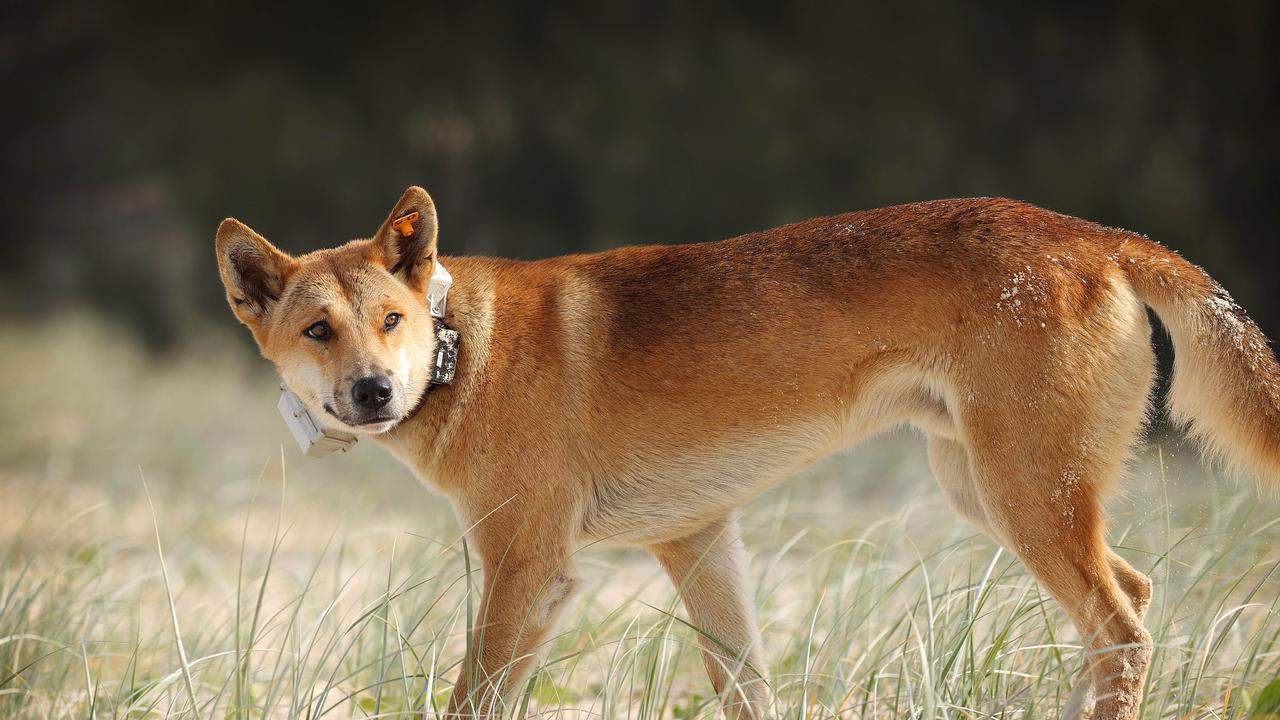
(405, 224)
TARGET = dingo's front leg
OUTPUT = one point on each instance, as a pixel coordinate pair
(527, 581)
(709, 569)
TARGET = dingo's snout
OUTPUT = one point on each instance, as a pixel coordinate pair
(372, 392)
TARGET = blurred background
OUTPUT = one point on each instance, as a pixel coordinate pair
(131, 129)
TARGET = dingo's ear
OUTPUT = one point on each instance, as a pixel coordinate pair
(407, 240)
(253, 271)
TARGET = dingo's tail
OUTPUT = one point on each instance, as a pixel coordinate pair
(1226, 381)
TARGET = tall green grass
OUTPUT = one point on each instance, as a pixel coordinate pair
(266, 585)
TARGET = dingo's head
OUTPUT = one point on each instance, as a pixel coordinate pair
(349, 328)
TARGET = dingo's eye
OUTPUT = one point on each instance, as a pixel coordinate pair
(391, 321)
(318, 331)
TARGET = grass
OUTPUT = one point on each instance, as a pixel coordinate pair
(252, 582)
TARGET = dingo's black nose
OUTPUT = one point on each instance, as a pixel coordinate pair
(372, 392)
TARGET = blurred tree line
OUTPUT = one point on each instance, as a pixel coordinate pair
(131, 129)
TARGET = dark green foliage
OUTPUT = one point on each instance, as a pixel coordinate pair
(131, 129)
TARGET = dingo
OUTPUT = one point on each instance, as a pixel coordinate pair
(641, 395)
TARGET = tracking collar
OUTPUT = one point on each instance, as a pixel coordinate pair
(446, 360)
(316, 440)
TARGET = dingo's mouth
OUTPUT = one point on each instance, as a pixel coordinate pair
(364, 423)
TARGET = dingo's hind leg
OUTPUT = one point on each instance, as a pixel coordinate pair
(1040, 471)
(1046, 437)
(949, 460)
(1136, 585)
(1060, 540)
